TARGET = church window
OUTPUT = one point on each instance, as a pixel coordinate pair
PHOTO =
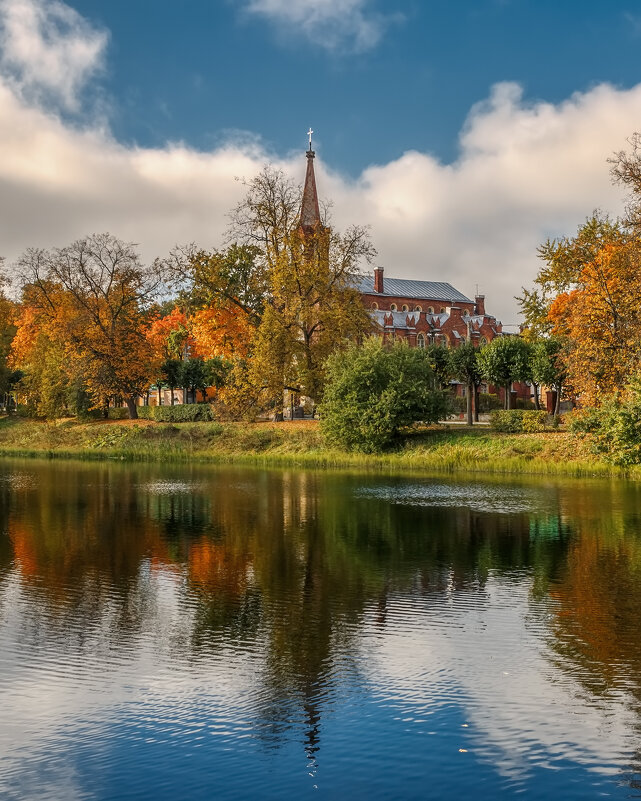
(430, 309)
(420, 341)
(418, 308)
(405, 307)
(375, 305)
(393, 307)
(483, 341)
(442, 310)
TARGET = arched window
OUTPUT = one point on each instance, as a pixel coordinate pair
(418, 308)
(430, 309)
(375, 305)
(442, 310)
(393, 307)
(420, 341)
(405, 307)
(483, 341)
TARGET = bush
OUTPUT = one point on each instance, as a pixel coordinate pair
(182, 413)
(615, 426)
(372, 391)
(518, 421)
(118, 413)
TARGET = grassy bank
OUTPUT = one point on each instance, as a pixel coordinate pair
(433, 450)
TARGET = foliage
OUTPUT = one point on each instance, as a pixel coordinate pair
(564, 260)
(464, 364)
(373, 391)
(518, 421)
(181, 413)
(91, 298)
(439, 359)
(488, 402)
(600, 320)
(504, 360)
(614, 428)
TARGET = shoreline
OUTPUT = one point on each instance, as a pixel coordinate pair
(434, 450)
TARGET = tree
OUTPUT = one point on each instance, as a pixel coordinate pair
(439, 359)
(504, 360)
(565, 259)
(193, 375)
(547, 368)
(599, 319)
(465, 367)
(95, 294)
(374, 390)
(7, 332)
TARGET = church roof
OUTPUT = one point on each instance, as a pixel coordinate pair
(406, 288)
(309, 210)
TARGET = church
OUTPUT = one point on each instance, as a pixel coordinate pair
(419, 312)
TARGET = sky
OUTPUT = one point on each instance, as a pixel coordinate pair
(464, 134)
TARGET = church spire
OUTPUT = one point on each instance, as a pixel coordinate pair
(309, 210)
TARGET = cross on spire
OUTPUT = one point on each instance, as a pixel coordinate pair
(309, 133)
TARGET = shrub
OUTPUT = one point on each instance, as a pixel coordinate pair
(372, 391)
(182, 413)
(518, 421)
(118, 413)
(615, 426)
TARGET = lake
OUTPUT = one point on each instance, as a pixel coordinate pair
(194, 632)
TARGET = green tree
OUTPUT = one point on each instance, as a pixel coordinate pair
(504, 360)
(374, 390)
(465, 367)
(439, 359)
(547, 366)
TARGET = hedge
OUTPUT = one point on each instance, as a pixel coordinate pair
(519, 421)
(181, 413)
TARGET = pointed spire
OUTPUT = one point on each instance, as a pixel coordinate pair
(309, 210)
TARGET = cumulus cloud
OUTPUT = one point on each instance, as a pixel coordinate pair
(525, 171)
(333, 24)
(47, 50)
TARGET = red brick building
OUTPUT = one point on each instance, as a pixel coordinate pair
(426, 312)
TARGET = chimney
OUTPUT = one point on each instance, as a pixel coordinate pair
(378, 280)
(480, 304)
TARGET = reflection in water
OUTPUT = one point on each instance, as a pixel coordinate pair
(238, 633)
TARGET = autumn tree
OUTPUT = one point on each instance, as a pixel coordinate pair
(600, 320)
(7, 333)
(94, 294)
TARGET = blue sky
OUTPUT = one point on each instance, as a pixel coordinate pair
(202, 71)
(463, 134)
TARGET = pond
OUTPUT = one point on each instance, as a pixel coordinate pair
(198, 632)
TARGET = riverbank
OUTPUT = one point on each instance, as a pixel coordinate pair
(438, 449)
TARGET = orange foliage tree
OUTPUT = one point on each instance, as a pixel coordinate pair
(93, 297)
(600, 321)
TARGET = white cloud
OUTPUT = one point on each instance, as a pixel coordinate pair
(525, 171)
(333, 24)
(48, 50)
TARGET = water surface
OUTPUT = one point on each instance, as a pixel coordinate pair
(195, 632)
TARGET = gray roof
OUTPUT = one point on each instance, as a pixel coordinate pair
(405, 288)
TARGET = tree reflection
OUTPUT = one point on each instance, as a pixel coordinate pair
(289, 565)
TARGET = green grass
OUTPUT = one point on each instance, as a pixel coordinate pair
(433, 450)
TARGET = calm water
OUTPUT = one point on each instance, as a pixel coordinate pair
(199, 633)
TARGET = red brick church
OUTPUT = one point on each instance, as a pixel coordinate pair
(420, 312)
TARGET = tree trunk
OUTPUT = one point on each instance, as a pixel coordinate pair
(508, 397)
(171, 391)
(557, 405)
(476, 403)
(470, 399)
(159, 396)
(537, 404)
(133, 409)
